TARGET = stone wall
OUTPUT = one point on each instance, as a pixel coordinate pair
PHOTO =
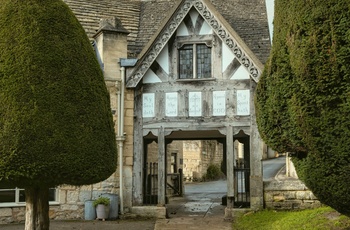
(57, 212)
(289, 194)
(71, 202)
(198, 156)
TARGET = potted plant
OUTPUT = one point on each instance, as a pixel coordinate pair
(102, 207)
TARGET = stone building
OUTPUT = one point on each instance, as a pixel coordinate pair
(176, 70)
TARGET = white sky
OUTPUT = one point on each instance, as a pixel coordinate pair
(270, 13)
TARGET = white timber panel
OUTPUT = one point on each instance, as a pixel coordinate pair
(194, 15)
(227, 56)
(195, 104)
(219, 103)
(182, 30)
(243, 102)
(163, 59)
(206, 29)
(171, 109)
(150, 77)
(240, 74)
(148, 105)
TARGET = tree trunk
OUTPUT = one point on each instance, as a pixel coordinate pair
(37, 208)
(31, 207)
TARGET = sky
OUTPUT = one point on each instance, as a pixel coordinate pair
(270, 13)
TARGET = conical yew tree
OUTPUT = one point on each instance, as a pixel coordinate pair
(305, 89)
(55, 119)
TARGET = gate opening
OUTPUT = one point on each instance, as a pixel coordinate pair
(194, 161)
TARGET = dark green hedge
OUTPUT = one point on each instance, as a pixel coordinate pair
(55, 120)
(276, 90)
(305, 89)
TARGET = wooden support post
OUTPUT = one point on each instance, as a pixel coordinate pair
(229, 165)
(161, 167)
(256, 152)
(137, 198)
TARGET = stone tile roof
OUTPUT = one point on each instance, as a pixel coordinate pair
(249, 19)
(143, 18)
(153, 15)
(90, 12)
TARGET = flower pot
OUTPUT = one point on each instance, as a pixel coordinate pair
(102, 211)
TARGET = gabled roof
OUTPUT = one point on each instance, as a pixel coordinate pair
(143, 18)
(247, 17)
(219, 25)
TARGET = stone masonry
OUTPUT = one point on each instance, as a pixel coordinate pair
(288, 194)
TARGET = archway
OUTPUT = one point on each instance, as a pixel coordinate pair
(188, 154)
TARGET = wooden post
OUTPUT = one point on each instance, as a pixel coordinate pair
(138, 153)
(229, 165)
(256, 152)
(161, 167)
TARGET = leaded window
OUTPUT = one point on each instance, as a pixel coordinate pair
(194, 61)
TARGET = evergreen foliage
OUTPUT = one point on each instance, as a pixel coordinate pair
(55, 120)
(303, 99)
(213, 173)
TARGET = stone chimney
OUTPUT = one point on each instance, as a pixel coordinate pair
(111, 45)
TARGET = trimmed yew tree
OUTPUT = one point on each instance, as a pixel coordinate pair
(56, 124)
(303, 97)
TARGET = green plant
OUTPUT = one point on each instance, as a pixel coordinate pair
(101, 200)
(213, 172)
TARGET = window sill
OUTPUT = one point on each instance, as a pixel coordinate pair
(15, 205)
(195, 79)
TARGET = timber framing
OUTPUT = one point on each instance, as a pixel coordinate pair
(221, 28)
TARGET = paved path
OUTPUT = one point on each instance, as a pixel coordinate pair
(200, 208)
(271, 167)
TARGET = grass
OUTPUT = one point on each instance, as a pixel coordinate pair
(315, 219)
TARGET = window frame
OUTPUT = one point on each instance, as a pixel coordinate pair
(194, 40)
(18, 203)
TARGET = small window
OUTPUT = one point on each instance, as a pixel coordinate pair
(194, 61)
(16, 196)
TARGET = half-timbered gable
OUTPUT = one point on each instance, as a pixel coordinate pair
(195, 22)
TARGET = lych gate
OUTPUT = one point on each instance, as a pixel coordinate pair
(196, 81)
